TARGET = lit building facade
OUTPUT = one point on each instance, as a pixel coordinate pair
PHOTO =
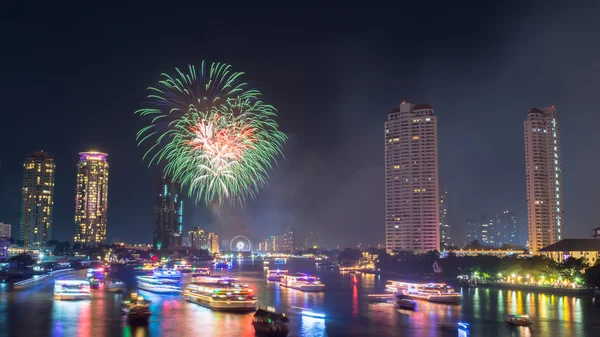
(472, 231)
(544, 178)
(445, 236)
(488, 230)
(213, 243)
(5, 230)
(37, 199)
(91, 199)
(411, 179)
(288, 241)
(198, 238)
(168, 214)
(507, 228)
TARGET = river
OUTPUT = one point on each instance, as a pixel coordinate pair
(33, 312)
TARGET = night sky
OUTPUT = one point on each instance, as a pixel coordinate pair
(72, 77)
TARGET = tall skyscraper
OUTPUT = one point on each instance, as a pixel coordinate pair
(91, 198)
(288, 240)
(544, 178)
(507, 228)
(168, 221)
(488, 229)
(198, 238)
(213, 243)
(37, 199)
(445, 236)
(472, 231)
(411, 179)
(5, 230)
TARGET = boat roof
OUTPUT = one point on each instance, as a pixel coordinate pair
(272, 315)
(420, 284)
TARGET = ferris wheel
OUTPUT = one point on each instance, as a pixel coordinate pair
(240, 243)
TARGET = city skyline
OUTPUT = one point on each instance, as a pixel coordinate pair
(481, 83)
(168, 222)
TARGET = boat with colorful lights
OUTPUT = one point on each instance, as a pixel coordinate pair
(167, 273)
(225, 297)
(432, 292)
(302, 281)
(71, 289)
(114, 286)
(519, 320)
(222, 264)
(276, 274)
(136, 308)
(200, 272)
(270, 323)
(214, 279)
(158, 285)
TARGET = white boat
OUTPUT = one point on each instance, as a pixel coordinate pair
(276, 275)
(200, 271)
(114, 286)
(214, 279)
(304, 282)
(71, 289)
(157, 285)
(167, 273)
(226, 297)
(432, 292)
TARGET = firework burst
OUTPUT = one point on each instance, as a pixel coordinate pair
(211, 133)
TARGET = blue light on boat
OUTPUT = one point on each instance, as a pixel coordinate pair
(463, 325)
(312, 314)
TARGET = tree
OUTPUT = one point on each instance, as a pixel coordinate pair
(24, 258)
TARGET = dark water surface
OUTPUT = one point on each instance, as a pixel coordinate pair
(33, 312)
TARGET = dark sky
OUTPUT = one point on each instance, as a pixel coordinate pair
(73, 76)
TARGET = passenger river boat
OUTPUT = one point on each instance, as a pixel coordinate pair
(158, 285)
(225, 297)
(432, 292)
(276, 275)
(304, 282)
(270, 323)
(71, 289)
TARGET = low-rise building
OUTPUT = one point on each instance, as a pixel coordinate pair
(587, 249)
(488, 251)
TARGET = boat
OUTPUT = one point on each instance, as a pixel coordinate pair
(519, 320)
(432, 292)
(380, 297)
(144, 269)
(167, 273)
(184, 268)
(304, 282)
(276, 275)
(222, 264)
(406, 304)
(200, 272)
(280, 261)
(114, 286)
(458, 326)
(157, 285)
(214, 279)
(225, 297)
(94, 282)
(71, 289)
(269, 323)
(137, 309)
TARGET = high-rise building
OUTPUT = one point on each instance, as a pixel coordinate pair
(168, 214)
(472, 231)
(91, 198)
(288, 241)
(198, 238)
(488, 229)
(445, 236)
(544, 178)
(411, 179)
(5, 230)
(313, 240)
(213, 243)
(507, 228)
(37, 199)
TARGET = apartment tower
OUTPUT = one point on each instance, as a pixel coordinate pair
(37, 199)
(91, 199)
(544, 178)
(411, 179)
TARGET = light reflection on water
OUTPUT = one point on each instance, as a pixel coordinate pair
(349, 313)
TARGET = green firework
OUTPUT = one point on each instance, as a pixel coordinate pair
(211, 133)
